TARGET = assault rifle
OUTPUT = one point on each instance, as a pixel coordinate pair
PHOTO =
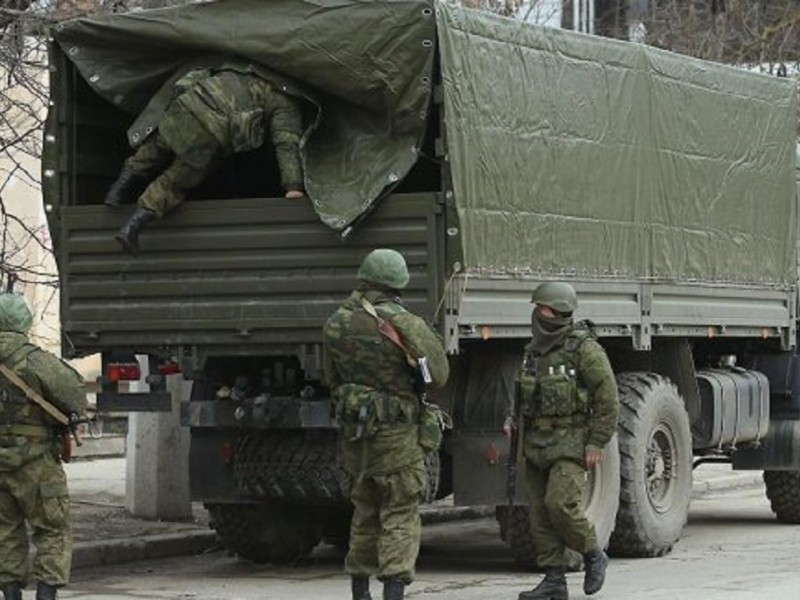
(515, 427)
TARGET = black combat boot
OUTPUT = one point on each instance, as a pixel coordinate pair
(127, 188)
(12, 591)
(393, 589)
(45, 591)
(552, 587)
(359, 584)
(595, 563)
(128, 235)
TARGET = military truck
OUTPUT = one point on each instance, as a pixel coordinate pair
(494, 155)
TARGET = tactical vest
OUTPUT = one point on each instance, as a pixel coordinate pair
(378, 390)
(24, 431)
(552, 392)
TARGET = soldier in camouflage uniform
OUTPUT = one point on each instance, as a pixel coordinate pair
(212, 114)
(570, 408)
(378, 411)
(33, 487)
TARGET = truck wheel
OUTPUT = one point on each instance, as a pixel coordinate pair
(783, 491)
(655, 445)
(433, 470)
(292, 467)
(600, 501)
(268, 532)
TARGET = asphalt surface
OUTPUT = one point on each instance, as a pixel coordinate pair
(106, 533)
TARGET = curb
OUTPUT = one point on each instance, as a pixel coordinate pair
(432, 516)
(742, 479)
(108, 552)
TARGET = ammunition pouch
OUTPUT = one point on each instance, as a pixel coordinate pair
(362, 411)
(432, 423)
(555, 395)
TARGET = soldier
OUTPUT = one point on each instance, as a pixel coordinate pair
(212, 114)
(33, 486)
(570, 407)
(378, 411)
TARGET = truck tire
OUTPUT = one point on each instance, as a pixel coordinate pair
(655, 446)
(291, 466)
(269, 532)
(600, 501)
(433, 469)
(783, 491)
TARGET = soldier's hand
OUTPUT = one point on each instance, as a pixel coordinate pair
(295, 194)
(592, 456)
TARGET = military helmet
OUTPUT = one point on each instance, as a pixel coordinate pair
(14, 313)
(385, 267)
(557, 295)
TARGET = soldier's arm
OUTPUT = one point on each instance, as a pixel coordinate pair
(423, 341)
(599, 379)
(286, 127)
(61, 385)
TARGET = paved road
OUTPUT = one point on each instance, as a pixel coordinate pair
(733, 549)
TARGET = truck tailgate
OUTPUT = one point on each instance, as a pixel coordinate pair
(230, 275)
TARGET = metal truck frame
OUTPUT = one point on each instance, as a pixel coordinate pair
(233, 289)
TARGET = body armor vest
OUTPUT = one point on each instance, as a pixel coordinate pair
(551, 387)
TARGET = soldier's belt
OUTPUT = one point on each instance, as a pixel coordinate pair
(556, 422)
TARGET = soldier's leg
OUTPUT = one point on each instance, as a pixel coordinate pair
(152, 157)
(548, 544)
(365, 528)
(563, 503)
(166, 193)
(567, 481)
(401, 528)
(168, 190)
(48, 518)
(547, 541)
(13, 536)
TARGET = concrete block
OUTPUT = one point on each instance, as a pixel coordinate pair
(157, 460)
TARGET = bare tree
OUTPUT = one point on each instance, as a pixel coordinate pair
(26, 260)
(741, 32)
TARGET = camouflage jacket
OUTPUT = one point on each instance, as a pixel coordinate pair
(237, 108)
(372, 383)
(569, 399)
(26, 431)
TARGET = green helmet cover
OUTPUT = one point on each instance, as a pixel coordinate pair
(385, 267)
(14, 313)
(557, 295)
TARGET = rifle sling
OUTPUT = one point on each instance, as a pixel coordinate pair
(387, 330)
(34, 396)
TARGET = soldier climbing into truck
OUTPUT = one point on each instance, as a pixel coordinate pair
(210, 113)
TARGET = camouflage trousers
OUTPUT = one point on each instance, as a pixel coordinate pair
(36, 494)
(386, 528)
(172, 174)
(557, 518)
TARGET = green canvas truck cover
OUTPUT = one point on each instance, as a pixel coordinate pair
(367, 64)
(583, 157)
(570, 155)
